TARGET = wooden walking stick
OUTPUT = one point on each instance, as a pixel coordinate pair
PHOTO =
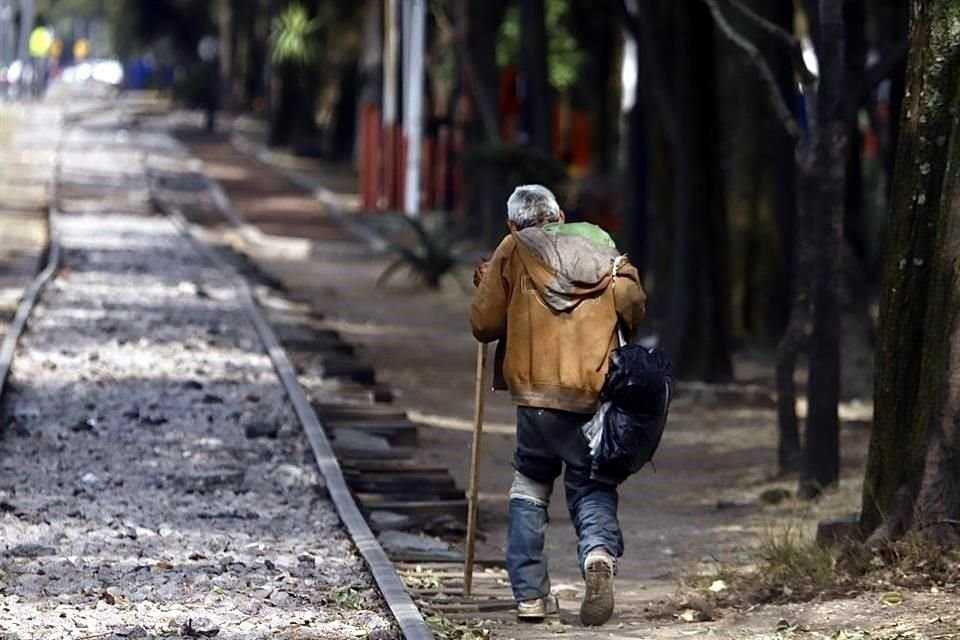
(474, 470)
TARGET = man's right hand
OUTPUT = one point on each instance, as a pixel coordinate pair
(480, 270)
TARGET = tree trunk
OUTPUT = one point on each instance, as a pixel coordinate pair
(894, 25)
(672, 80)
(789, 455)
(486, 191)
(344, 129)
(599, 75)
(706, 253)
(226, 27)
(913, 469)
(269, 71)
(788, 219)
(538, 110)
(635, 179)
(371, 56)
(854, 227)
(283, 112)
(255, 76)
(244, 54)
(821, 467)
(698, 306)
(812, 9)
(656, 66)
(479, 57)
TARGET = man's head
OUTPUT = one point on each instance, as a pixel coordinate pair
(532, 205)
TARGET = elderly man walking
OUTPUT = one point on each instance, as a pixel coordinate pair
(555, 295)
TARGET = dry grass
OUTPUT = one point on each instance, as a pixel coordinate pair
(792, 562)
(791, 567)
(913, 563)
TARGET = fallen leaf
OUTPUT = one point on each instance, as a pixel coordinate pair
(689, 615)
(718, 586)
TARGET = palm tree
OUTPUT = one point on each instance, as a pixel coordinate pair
(294, 49)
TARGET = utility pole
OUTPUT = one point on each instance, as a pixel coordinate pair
(413, 111)
(27, 17)
(7, 37)
(390, 132)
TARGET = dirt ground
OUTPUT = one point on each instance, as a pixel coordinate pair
(697, 514)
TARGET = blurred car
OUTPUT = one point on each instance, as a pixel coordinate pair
(103, 71)
(108, 72)
(77, 73)
(14, 77)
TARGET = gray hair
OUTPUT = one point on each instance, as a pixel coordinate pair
(532, 204)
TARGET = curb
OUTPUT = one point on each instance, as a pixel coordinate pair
(360, 231)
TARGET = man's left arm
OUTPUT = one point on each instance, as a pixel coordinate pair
(631, 300)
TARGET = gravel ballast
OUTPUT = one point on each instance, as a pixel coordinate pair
(132, 503)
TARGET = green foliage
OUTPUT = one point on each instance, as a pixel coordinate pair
(294, 36)
(508, 41)
(428, 261)
(445, 629)
(564, 56)
(346, 598)
(63, 14)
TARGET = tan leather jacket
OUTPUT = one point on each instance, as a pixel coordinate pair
(554, 358)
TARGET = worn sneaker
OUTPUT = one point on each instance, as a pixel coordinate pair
(537, 609)
(597, 606)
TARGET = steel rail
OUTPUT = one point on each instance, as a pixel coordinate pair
(398, 600)
(31, 294)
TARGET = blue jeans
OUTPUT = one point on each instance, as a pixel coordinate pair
(547, 441)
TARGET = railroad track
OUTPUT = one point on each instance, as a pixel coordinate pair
(361, 442)
(51, 257)
(374, 440)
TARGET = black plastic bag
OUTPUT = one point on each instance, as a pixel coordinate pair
(635, 399)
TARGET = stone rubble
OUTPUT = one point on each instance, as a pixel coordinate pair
(133, 504)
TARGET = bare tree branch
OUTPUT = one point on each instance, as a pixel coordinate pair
(773, 29)
(776, 98)
(791, 41)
